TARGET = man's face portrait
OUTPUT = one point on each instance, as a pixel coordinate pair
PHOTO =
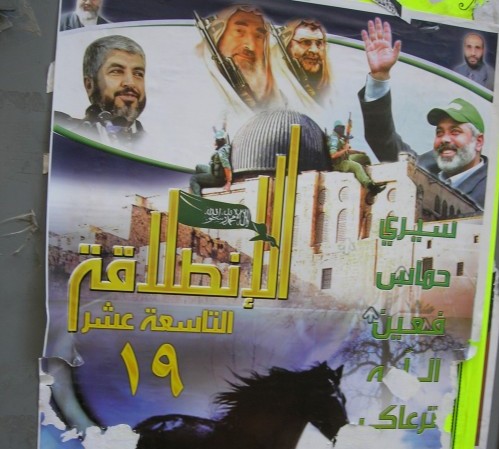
(120, 85)
(473, 50)
(244, 41)
(308, 47)
(456, 148)
(89, 9)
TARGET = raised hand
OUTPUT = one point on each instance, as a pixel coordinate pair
(381, 56)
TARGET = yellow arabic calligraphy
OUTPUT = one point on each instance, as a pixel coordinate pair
(121, 273)
(210, 322)
(120, 278)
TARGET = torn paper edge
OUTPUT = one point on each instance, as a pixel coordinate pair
(92, 437)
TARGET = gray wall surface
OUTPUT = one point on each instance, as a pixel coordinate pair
(26, 50)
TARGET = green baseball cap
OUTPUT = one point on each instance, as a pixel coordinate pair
(459, 110)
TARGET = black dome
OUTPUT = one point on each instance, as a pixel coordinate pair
(268, 133)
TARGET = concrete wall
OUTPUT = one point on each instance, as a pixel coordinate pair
(26, 50)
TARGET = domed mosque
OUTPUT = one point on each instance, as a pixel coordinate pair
(267, 134)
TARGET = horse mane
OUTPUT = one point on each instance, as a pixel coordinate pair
(249, 390)
(280, 402)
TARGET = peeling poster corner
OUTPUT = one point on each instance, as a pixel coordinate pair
(267, 226)
(54, 431)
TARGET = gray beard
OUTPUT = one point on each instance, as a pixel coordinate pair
(462, 158)
(256, 77)
(86, 15)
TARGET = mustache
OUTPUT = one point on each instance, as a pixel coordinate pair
(247, 53)
(313, 56)
(446, 146)
(128, 91)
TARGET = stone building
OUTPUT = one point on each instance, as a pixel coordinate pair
(337, 250)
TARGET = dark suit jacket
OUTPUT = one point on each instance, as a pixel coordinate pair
(88, 128)
(380, 134)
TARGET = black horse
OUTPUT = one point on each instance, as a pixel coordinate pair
(262, 412)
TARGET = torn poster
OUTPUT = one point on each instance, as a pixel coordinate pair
(268, 227)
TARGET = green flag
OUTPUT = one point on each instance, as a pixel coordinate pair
(203, 213)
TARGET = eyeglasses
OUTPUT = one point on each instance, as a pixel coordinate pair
(307, 43)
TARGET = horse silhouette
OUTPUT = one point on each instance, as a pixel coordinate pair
(259, 412)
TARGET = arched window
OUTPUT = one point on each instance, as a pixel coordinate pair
(444, 209)
(321, 196)
(341, 226)
(392, 195)
(319, 227)
(420, 192)
(344, 194)
(437, 204)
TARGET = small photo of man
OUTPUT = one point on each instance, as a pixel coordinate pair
(474, 67)
(86, 13)
(114, 69)
(237, 39)
(304, 41)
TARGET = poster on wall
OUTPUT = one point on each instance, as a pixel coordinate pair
(269, 226)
